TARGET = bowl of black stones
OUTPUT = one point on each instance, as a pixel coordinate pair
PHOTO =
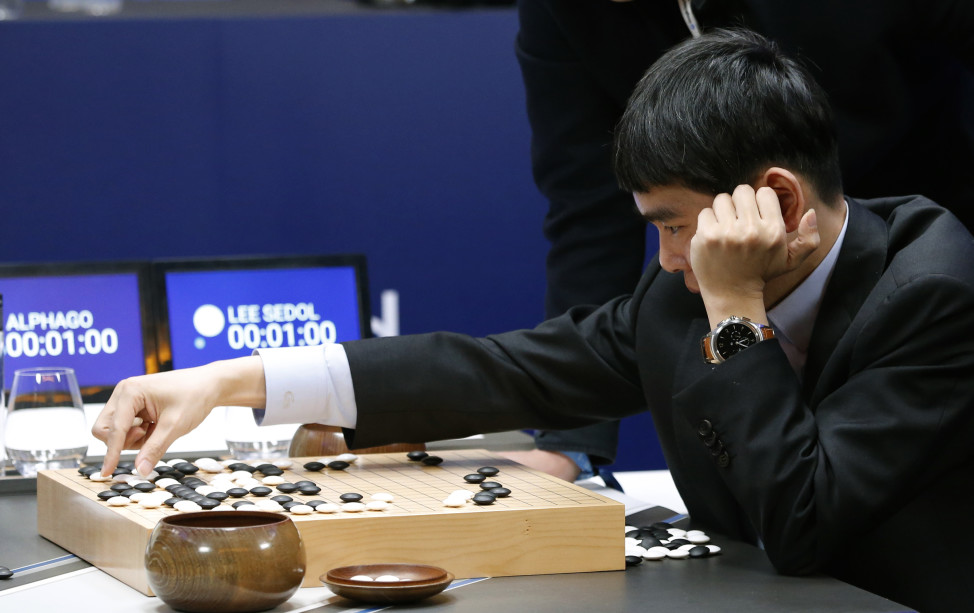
(387, 583)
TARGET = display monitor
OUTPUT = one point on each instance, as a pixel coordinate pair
(89, 316)
(214, 309)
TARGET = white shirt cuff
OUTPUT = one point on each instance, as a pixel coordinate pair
(307, 385)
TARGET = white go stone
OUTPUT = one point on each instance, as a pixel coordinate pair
(150, 502)
(347, 457)
(631, 542)
(162, 464)
(697, 537)
(454, 501)
(377, 505)
(205, 490)
(166, 482)
(362, 578)
(678, 554)
(687, 548)
(187, 506)
(241, 474)
(284, 464)
(656, 553)
(301, 509)
(631, 528)
(139, 497)
(118, 501)
(98, 477)
(327, 508)
(387, 579)
(175, 461)
(382, 496)
(245, 506)
(676, 532)
(269, 505)
(353, 507)
(227, 463)
(210, 465)
(714, 549)
(465, 494)
(248, 484)
(636, 550)
(273, 480)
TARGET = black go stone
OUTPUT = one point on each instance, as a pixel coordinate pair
(242, 503)
(261, 490)
(241, 466)
(416, 456)
(287, 505)
(500, 492)
(119, 487)
(273, 471)
(350, 497)
(175, 474)
(474, 478)
(130, 492)
(171, 501)
(88, 470)
(314, 503)
(488, 471)
(195, 497)
(237, 492)
(676, 544)
(281, 499)
(634, 560)
(218, 495)
(5, 573)
(314, 466)
(483, 498)
(699, 552)
(186, 468)
(650, 541)
(309, 490)
(121, 471)
(163, 469)
(287, 488)
(661, 534)
(338, 465)
(490, 485)
(661, 525)
(432, 460)
(208, 503)
(145, 487)
(304, 483)
(107, 494)
(634, 533)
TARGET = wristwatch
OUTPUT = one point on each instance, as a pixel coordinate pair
(732, 336)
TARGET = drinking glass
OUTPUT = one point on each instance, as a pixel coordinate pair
(248, 441)
(45, 425)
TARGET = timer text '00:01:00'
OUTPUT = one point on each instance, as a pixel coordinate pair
(253, 336)
(31, 344)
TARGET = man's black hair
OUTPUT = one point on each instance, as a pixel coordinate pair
(716, 111)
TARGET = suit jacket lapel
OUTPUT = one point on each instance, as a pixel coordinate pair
(861, 262)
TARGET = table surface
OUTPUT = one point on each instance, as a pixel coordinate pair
(741, 578)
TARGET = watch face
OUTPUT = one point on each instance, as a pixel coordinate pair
(733, 338)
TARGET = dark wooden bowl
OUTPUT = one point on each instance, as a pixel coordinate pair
(416, 581)
(223, 561)
(317, 440)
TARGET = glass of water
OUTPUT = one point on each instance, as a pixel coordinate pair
(45, 425)
(248, 441)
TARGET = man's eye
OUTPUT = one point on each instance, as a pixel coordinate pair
(671, 229)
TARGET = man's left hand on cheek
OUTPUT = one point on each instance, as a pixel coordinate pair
(741, 243)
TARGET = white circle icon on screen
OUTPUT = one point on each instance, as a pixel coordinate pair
(208, 320)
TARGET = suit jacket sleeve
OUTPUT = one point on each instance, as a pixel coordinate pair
(812, 470)
(570, 371)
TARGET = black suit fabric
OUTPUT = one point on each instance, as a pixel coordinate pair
(809, 466)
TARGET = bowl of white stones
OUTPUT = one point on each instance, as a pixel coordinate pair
(387, 583)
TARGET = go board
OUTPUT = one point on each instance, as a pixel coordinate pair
(545, 526)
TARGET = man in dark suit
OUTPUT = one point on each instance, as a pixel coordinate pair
(812, 390)
(899, 75)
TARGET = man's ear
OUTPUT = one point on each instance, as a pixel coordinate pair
(790, 194)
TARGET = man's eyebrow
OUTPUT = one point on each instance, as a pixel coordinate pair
(659, 214)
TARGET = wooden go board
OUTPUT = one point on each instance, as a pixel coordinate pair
(545, 526)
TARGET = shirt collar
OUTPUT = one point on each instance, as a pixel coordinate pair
(794, 317)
